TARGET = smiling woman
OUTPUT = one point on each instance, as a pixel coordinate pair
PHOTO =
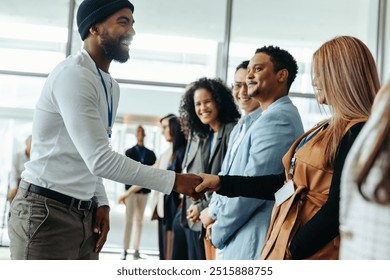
(209, 110)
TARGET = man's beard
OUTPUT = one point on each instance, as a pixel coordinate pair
(112, 48)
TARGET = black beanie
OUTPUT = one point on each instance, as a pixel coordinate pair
(91, 12)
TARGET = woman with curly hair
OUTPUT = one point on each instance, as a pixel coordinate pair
(209, 110)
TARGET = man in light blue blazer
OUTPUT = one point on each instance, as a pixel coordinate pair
(241, 224)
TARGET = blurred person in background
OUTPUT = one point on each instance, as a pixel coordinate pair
(136, 197)
(17, 168)
(165, 206)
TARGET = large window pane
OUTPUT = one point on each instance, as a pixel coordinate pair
(33, 34)
(300, 27)
(311, 111)
(149, 100)
(20, 91)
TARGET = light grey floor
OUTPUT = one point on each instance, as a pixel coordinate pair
(105, 255)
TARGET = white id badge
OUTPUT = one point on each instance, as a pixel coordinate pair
(284, 193)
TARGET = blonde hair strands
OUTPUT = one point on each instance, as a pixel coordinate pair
(346, 70)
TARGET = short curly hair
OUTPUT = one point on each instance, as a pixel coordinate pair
(221, 94)
(281, 59)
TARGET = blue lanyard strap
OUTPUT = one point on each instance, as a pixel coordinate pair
(303, 142)
(109, 107)
(141, 155)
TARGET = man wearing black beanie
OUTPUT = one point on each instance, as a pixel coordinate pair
(91, 12)
(61, 210)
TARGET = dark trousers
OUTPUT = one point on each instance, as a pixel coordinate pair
(195, 245)
(179, 243)
(162, 238)
(40, 228)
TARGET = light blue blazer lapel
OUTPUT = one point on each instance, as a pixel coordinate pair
(249, 120)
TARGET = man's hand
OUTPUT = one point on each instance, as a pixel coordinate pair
(11, 194)
(186, 183)
(101, 226)
(211, 183)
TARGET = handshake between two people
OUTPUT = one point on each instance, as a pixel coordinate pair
(196, 185)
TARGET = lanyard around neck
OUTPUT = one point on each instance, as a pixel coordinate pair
(109, 106)
(141, 155)
(303, 142)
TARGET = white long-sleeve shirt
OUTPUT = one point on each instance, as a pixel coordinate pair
(70, 150)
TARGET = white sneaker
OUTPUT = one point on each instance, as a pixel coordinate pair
(124, 255)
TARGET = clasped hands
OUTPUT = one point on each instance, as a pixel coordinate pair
(196, 185)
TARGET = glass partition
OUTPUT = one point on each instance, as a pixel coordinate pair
(33, 35)
(299, 27)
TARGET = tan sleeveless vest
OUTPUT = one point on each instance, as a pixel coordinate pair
(312, 183)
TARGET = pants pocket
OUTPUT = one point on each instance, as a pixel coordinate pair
(39, 215)
(18, 219)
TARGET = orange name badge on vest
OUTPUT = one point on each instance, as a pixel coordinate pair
(284, 193)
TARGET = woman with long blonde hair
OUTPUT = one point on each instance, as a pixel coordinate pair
(305, 218)
(345, 78)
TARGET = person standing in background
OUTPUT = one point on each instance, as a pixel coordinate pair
(17, 168)
(165, 206)
(136, 197)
